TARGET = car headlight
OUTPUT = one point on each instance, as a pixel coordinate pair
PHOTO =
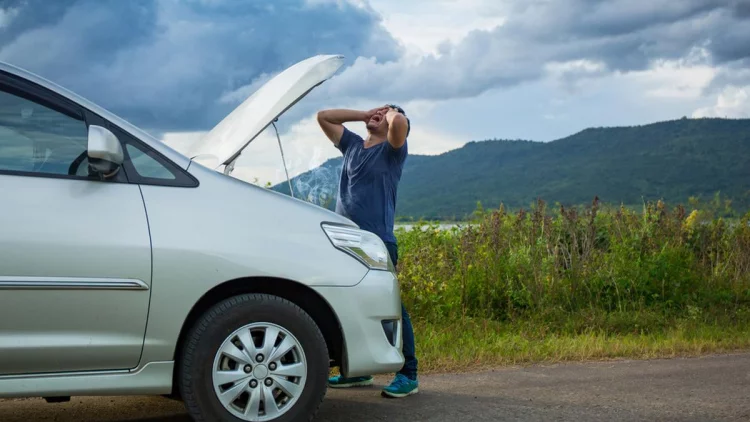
(361, 244)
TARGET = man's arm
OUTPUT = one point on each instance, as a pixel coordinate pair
(332, 122)
(397, 128)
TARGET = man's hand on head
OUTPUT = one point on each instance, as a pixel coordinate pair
(368, 114)
(392, 113)
(332, 121)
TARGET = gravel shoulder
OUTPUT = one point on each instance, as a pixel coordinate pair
(711, 388)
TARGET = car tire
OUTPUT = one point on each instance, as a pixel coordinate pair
(220, 328)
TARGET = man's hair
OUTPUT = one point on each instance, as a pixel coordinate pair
(408, 122)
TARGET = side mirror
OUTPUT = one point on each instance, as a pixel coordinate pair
(104, 150)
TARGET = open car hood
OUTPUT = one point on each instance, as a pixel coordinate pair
(224, 143)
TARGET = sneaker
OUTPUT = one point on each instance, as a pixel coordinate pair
(341, 382)
(401, 387)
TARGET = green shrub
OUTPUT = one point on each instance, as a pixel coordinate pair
(613, 269)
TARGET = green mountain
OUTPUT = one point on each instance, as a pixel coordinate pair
(671, 160)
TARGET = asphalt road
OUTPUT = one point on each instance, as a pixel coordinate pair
(715, 388)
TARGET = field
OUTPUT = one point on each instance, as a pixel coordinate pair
(546, 285)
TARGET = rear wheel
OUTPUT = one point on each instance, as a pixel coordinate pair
(254, 358)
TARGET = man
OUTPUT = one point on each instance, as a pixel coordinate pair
(367, 196)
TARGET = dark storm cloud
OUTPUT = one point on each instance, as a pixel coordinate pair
(65, 38)
(732, 43)
(618, 17)
(619, 35)
(165, 64)
(182, 65)
(741, 8)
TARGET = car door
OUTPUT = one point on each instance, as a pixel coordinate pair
(75, 250)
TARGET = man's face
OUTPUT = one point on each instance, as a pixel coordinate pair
(378, 123)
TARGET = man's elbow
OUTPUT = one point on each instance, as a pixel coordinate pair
(323, 120)
(324, 115)
(399, 130)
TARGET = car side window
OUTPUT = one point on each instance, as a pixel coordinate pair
(38, 139)
(146, 166)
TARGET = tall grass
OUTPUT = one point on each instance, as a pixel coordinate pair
(608, 270)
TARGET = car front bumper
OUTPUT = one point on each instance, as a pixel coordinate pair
(370, 318)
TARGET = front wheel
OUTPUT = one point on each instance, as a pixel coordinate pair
(254, 357)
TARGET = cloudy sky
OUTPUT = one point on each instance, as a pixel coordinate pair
(468, 70)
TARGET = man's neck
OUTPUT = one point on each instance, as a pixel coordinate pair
(374, 139)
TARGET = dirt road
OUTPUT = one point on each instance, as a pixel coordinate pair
(713, 388)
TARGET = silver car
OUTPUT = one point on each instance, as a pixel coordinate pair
(129, 268)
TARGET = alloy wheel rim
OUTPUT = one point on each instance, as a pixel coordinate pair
(259, 372)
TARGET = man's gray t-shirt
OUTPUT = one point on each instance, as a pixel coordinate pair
(369, 183)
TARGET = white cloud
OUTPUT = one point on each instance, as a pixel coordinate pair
(733, 102)
(7, 16)
(574, 75)
(424, 26)
(529, 40)
(547, 109)
(432, 140)
(685, 78)
(576, 66)
(181, 141)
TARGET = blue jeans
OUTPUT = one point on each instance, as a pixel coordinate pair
(410, 360)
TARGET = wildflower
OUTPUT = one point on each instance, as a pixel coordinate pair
(690, 221)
